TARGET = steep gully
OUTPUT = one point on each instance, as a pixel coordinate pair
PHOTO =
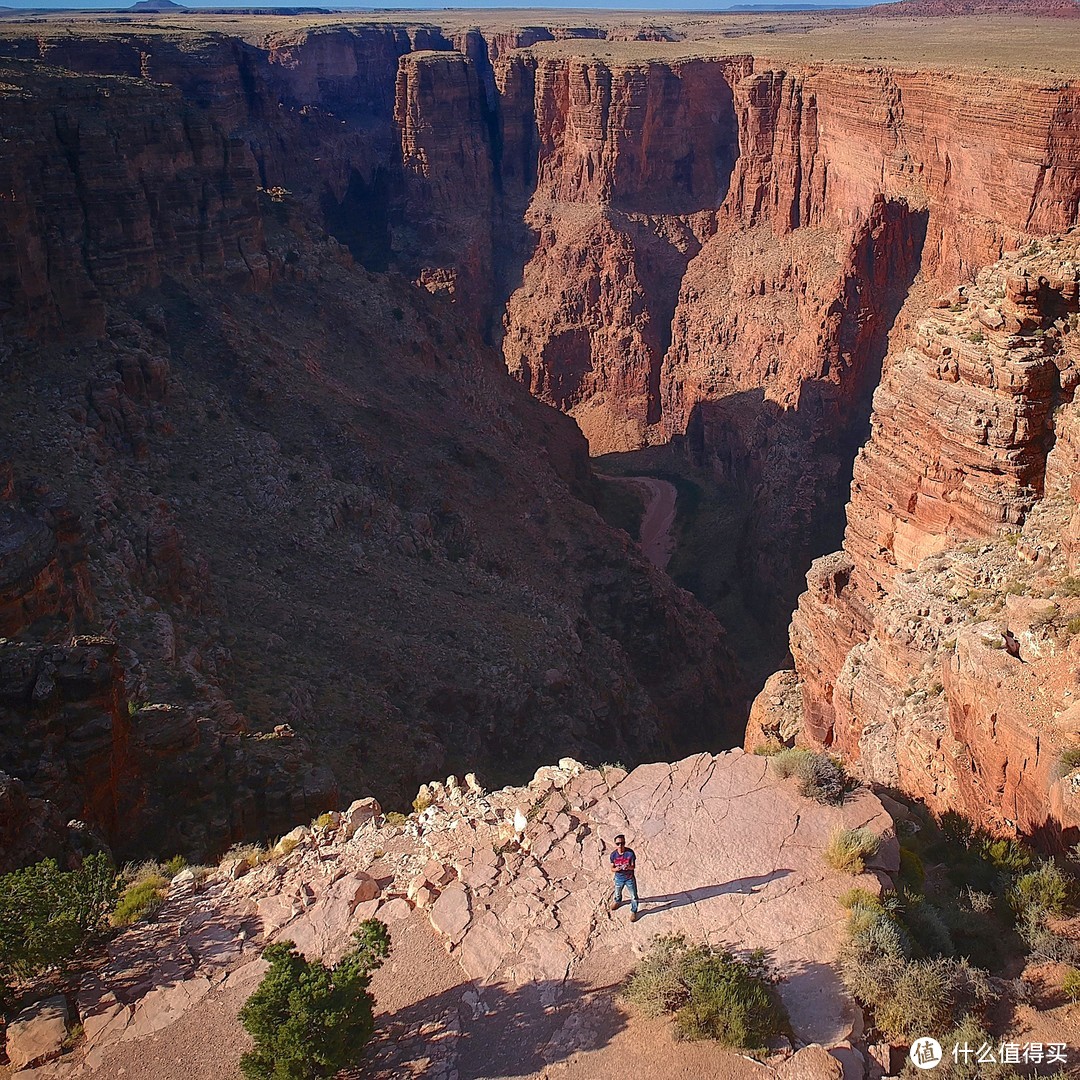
(711, 251)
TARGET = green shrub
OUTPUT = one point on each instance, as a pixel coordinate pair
(730, 1002)
(47, 913)
(1010, 857)
(848, 849)
(174, 866)
(972, 1034)
(1069, 586)
(927, 928)
(657, 985)
(140, 900)
(769, 748)
(788, 762)
(323, 821)
(1044, 891)
(1070, 759)
(395, 818)
(857, 897)
(1073, 626)
(713, 994)
(914, 997)
(309, 1021)
(912, 871)
(1070, 985)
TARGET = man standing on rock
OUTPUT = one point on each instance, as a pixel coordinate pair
(623, 863)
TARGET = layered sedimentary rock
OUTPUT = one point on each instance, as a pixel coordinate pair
(937, 649)
(186, 192)
(335, 544)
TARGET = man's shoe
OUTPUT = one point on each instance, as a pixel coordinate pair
(615, 905)
(633, 916)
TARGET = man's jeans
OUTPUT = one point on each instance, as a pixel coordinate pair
(626, 881)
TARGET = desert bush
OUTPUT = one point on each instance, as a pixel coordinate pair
(788, 762)
(255, 854)
(394, 817)
(309, 1021)
(1010, 857)
(47, 913)
(927, 927)
(713, 994)
(914, 997)
(1070, 756)
(1068, 586)
(1040, 892)
(1043, 943)
(141, 899)
(823, 779)
(848, 849)
(285, 846)
(656, 986)
(821, 776)
(769, 748)
(912, 871)
(980, 903)
(1070, 984)
(174, 865)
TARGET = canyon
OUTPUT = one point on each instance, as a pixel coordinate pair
(395, 397)
(698, 239)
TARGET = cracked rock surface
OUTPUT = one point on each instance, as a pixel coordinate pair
(498, 904)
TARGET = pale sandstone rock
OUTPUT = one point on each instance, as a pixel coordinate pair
(451, 913)
(37, 1033)
(360, 813)
(758, 882)
(811, 1063)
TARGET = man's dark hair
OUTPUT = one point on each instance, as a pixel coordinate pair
(620, 837)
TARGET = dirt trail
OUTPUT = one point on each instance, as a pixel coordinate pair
(658, 519)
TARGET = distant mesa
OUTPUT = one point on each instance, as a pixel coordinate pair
(157, 5)
(947, 8)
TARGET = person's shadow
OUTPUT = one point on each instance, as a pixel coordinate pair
(746, 885)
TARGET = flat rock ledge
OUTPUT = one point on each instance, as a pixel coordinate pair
(516, 884)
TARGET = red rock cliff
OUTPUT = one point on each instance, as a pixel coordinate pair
(935, 650)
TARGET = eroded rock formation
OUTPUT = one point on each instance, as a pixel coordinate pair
(938, 649)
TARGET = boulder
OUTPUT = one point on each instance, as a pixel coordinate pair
(359, 813)
(367, 888)
(292, 839)
(811, 1063)
(234, 869)
(37, 1034)
(451, 913)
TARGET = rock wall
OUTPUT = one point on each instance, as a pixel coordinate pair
(937, 650)
(110, 183)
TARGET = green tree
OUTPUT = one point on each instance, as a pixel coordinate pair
(308, 1020)
(47, 913)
